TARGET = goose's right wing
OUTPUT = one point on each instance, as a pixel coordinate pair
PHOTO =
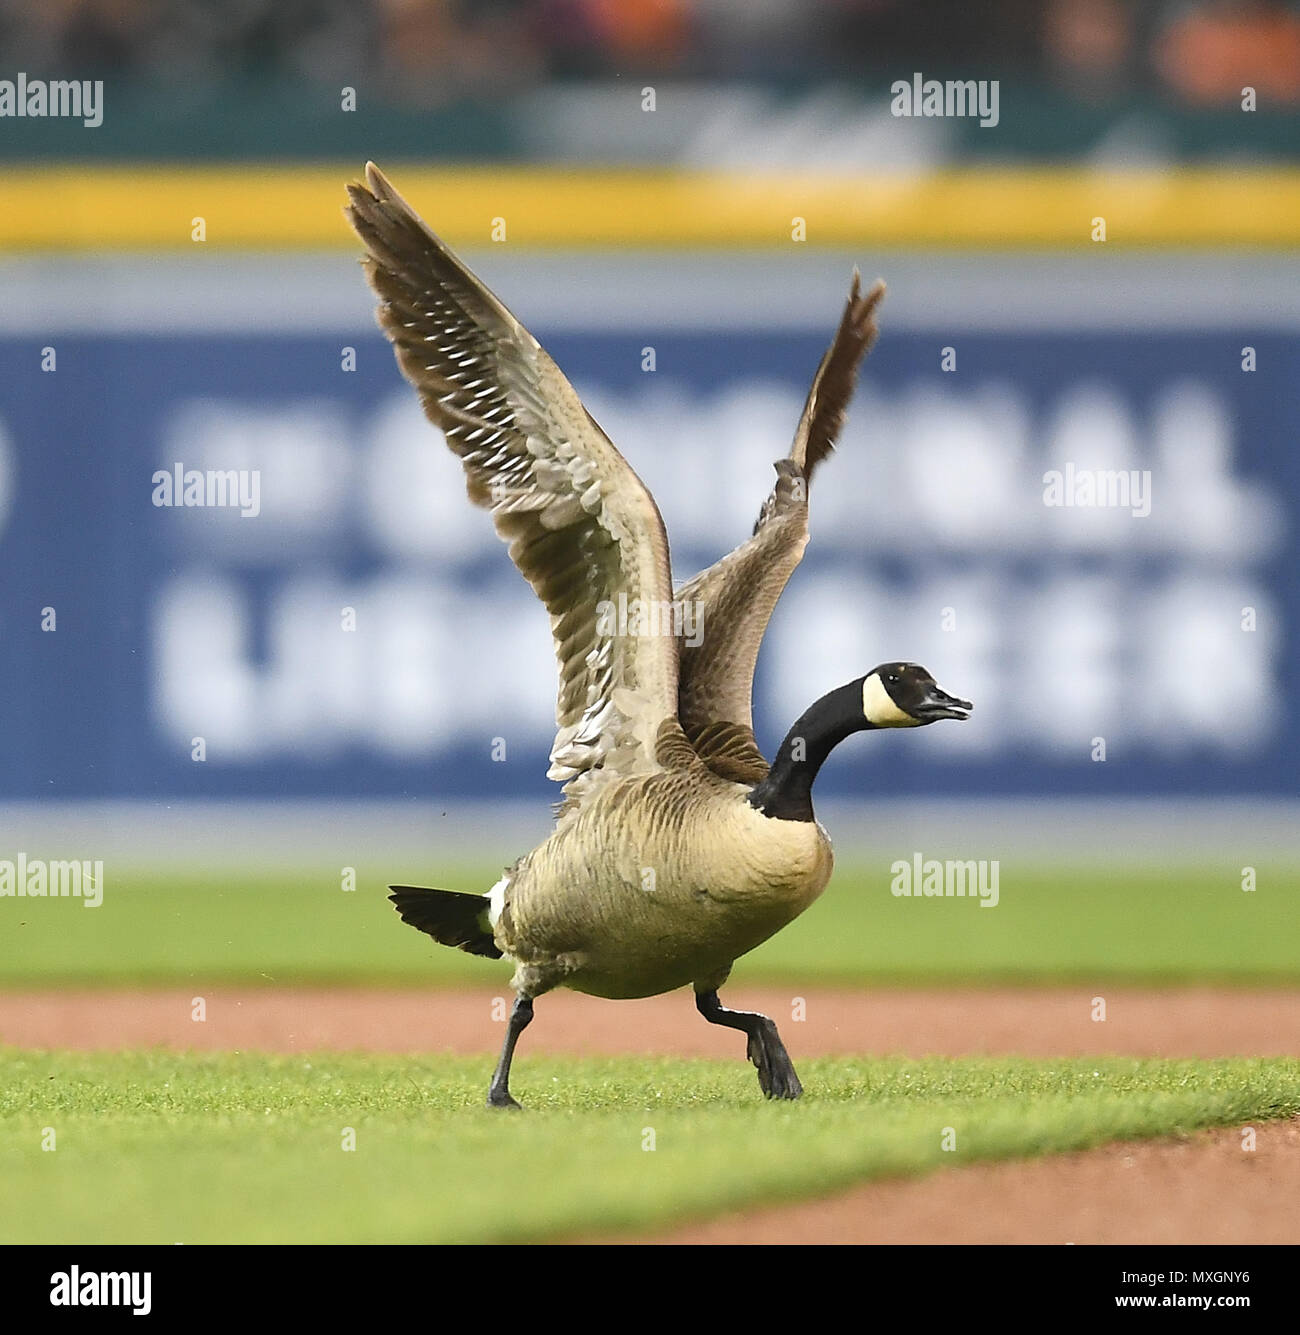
(582, 528)
(734, 599)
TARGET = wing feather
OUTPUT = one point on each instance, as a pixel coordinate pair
(734, 599)
(580, 525)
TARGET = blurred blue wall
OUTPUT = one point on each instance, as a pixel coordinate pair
(931, 541)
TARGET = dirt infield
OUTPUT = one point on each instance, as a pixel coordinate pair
(1034, 1022)
(1203, 1189)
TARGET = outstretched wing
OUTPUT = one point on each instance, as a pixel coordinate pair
(582, 527)
(734, 598)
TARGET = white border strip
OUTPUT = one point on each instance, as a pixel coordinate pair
(331, 833)
(560, 291)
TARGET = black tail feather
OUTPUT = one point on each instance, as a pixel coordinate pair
(451, 917)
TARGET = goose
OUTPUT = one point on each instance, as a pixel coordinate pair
(677, 848)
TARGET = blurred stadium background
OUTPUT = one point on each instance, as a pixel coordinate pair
(647, 162)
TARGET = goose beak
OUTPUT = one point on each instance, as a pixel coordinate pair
(936, 704)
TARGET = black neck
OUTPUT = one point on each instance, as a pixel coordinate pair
(786, 793)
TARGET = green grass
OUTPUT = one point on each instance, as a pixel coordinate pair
(160, 1147)
(1052, 924)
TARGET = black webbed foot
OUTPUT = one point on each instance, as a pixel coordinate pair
(776, 1073)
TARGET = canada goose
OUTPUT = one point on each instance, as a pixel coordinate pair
(677, 848)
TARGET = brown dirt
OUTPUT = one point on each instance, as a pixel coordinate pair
(1036, 1022)
(1203, 1189)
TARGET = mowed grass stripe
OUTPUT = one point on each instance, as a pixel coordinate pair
(1051, 924)
(155, 1147)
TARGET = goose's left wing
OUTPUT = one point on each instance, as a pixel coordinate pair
(582, 527)
(734, 599)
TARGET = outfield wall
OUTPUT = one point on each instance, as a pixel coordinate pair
(932, 540)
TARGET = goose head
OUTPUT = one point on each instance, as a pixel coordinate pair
(906, 695)
(893, 695)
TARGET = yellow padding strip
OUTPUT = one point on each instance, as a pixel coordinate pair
(130, 207)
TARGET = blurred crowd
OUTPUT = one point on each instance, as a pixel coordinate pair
(1199, 53)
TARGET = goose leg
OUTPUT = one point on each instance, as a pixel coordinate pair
(776, 1074)
(499, 1090)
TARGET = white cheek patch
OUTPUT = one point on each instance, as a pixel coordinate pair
(880, 709)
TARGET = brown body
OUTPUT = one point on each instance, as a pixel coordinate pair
(659, 882)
